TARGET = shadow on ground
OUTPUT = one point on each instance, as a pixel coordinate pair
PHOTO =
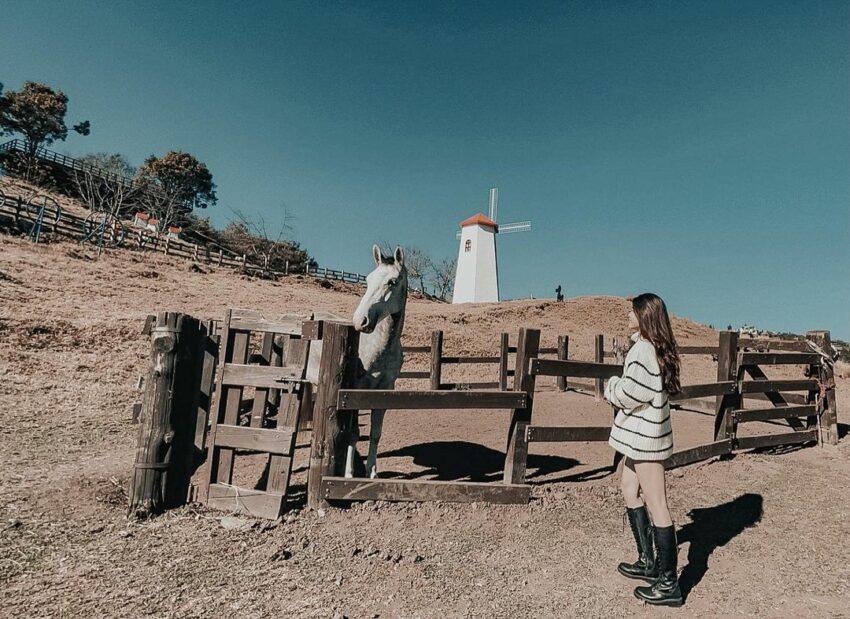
(454, 460)
(713, 527)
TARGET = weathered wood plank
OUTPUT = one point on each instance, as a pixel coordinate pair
(261, 395)
(696, 454)
(768, 414)
(577, 369)
(436, 359)
(703, 390)
(790, 398)
(771, 440)
(503, 361)
(727, 370)
(246, 500)
(599, 357)
(563, 434)
(268, 377)
(762, 344)
(332, 431)
(229, 400)
(826, 374)
(416, 349)
(461, 360)
(491, 384)
(340, 488)
(764, 386)
(358, 399)
(277, 442)
(414, 374)
(516, 453)
(775, 398)
(563, 355)
(780, 358)
(249, 320)
(698, 350)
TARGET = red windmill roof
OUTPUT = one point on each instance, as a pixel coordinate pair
(479, 219)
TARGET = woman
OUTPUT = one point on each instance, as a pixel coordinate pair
(643, 434)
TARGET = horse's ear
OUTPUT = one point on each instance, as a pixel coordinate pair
(399, 256)
(376, 255)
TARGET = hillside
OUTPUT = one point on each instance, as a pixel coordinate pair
(71, 352)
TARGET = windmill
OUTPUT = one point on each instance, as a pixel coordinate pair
(477, 275)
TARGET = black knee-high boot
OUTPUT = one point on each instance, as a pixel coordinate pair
(645, 567)
(665, 590)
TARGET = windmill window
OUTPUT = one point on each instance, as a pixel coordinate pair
(468, 245)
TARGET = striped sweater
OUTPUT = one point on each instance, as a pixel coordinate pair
(642, 428)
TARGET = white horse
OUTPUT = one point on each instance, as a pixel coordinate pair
(380, 319)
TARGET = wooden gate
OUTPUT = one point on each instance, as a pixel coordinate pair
(266, 424)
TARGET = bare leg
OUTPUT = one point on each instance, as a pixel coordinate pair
(629, 485)
(654, 488)
(374, 437)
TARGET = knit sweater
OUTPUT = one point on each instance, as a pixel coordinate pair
(642, 428)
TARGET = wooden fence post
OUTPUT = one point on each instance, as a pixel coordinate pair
(563, 353)
(165, 454)
(829, 418)
(330, 437)
(504, 344)
(599, 357)
(727, 360)
(516, 455)
(436, 359)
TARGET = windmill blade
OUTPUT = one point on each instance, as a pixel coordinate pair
(494, 202)
(517, 226)
(457, 236)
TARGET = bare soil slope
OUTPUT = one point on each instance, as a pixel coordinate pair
(763, 533)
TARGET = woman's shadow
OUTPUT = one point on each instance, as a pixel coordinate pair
(712, 527)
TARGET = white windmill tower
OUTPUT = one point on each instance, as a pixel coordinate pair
(477, 275)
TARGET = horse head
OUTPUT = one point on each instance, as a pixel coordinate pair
(386, 290)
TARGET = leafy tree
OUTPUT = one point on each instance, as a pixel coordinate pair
(37, 112)
(173, 185)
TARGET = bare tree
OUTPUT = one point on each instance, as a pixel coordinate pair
(266, 243)
(418, 265)
(443, 277)
(109, 194)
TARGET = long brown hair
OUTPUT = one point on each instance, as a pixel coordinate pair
(654, 324)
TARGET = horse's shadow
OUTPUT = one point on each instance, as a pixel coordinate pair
(455, 460)
(711, 528)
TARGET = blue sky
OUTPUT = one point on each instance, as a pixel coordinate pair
(694, 149)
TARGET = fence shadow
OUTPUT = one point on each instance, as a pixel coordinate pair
(455, 460)
(711, 528)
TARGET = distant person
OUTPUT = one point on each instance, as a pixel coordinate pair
(643, 434)
(558, 295)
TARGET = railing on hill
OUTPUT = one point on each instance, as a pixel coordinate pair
(74, 226)
(69, 163)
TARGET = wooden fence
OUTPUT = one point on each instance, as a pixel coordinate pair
(807, 405)
(62, 223)
(811, 417)
(504, 362)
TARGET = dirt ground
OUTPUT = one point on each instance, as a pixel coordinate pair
(761, 534)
